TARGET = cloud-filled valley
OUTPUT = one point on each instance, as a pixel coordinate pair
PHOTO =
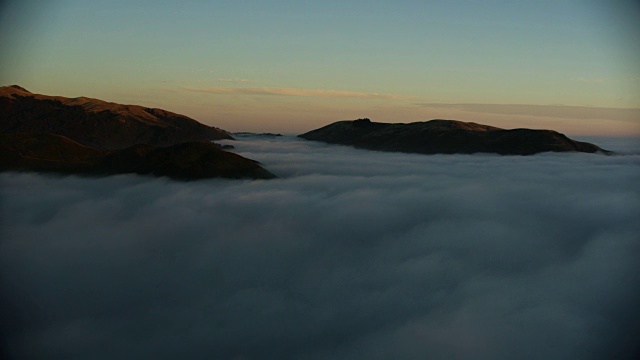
(349, 254)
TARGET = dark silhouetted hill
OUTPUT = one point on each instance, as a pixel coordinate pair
(446, 137)
(184, 161)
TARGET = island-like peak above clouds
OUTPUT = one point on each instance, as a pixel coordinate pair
(96, 123)
(93, 137)
(446, 137)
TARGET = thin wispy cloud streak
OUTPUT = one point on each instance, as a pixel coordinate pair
(349, 254)
(221, 90)
(237, 81)
(553, 111)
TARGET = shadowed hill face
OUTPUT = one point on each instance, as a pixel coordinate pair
(185, 161)
(446, 137)
(97, 123)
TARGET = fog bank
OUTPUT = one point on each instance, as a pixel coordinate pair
(350, 254)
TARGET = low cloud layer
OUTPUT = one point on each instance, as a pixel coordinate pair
(292, 92)
(350, 254)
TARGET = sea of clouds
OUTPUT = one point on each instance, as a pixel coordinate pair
(349, 254)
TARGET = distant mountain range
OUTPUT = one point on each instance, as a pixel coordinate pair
(446, 137)
(90, 136)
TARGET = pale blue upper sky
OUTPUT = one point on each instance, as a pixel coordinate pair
(224, 62)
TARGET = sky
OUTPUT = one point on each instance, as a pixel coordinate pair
(349, 254)
(292, 66)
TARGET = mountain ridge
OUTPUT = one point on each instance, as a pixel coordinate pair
(87, 120)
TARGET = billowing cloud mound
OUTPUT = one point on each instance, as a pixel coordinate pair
(350, 254)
